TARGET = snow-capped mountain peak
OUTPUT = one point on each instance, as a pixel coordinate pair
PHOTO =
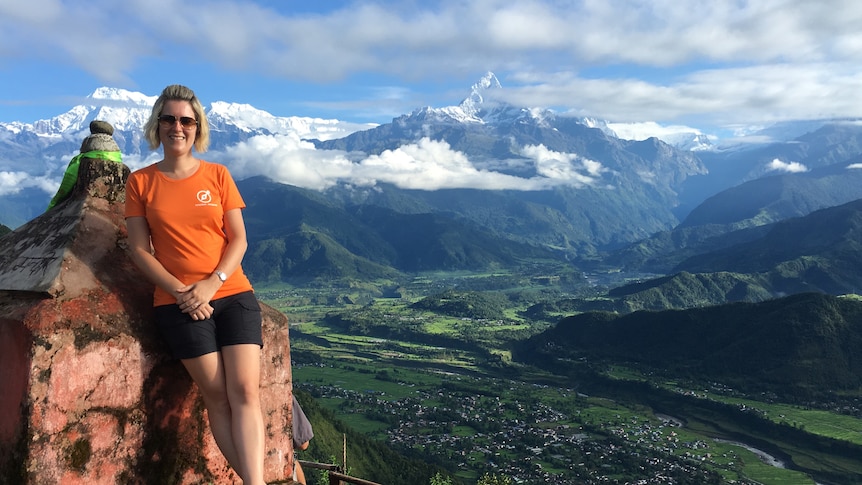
(252, 120)
(472, 105)
(244, 116)
(478, 107)
(123, 96)
(125, 110)
(471, 110)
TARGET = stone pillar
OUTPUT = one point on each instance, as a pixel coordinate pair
(88, 394)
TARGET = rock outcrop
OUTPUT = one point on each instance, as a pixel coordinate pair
(88, 394)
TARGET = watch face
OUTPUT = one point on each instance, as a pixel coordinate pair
(221, 276)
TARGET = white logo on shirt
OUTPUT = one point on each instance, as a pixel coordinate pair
(204, 196)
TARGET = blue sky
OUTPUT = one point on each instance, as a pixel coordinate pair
(710, 64)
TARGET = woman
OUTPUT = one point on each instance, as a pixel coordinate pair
(186, 233)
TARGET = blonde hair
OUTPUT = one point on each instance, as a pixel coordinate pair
(181, 93)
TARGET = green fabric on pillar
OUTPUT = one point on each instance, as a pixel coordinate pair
(71, 175)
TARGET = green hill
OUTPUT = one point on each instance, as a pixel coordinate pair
(795, 346)
(307, 255)
(819, 252)
(297, 235)
(688, 290)
(432, 241)
(742, 214)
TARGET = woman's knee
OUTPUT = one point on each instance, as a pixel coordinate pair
(215, 397)
(242, 373)
(208, 374)
(242, 392)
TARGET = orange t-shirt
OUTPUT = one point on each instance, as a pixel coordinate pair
(186, 221)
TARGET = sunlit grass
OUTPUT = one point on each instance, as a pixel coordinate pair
(815, 421)
(824, 423)
(753, 468)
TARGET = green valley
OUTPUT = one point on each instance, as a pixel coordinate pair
(454, 373)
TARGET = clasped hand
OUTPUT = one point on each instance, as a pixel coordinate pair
(194, 299)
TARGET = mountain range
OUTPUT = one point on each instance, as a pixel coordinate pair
(484, 185)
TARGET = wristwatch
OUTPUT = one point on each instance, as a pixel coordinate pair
(221, 276)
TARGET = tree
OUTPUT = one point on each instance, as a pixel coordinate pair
(439, 479)
(488, 479)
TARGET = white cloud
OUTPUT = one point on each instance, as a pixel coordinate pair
(134, 162)
(648, 129)
(566, 168)
(432, 165)
(790, 167)
(756, 94)
(14, 182)
(627, 60)
(425, 165)
(289, 160)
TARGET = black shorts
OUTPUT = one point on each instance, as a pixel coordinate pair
(236, 319)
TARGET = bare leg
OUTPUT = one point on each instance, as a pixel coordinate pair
(300, 475)
(208, 373)
(242, 376)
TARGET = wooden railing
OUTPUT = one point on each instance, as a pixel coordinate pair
(336, 477)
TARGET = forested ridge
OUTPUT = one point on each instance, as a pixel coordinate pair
(798, 345)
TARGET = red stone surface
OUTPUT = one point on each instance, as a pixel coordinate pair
(88, 394)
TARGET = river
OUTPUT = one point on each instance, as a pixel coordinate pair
(764, 456)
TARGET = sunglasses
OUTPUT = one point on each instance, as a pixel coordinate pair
(170, 120)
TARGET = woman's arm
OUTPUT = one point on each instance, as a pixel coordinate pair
(141, 251)
(236, 242)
